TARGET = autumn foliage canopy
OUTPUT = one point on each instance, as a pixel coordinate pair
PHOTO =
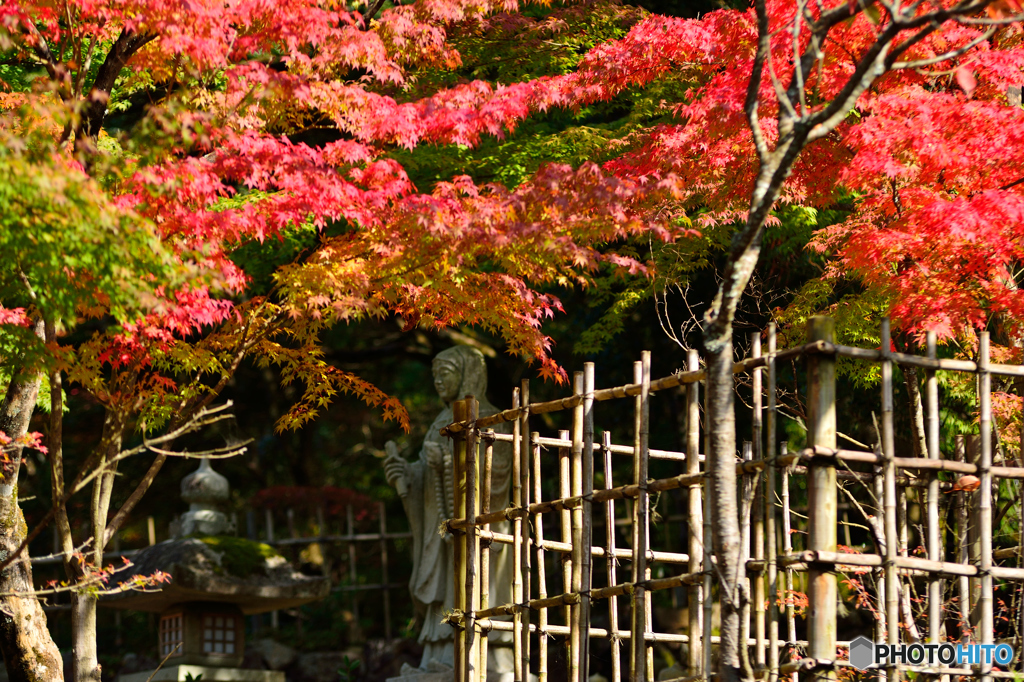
(150, 217)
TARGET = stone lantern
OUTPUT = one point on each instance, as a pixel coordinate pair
(216, 580)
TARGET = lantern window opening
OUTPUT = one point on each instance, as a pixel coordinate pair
(171, 635)
(219, 634)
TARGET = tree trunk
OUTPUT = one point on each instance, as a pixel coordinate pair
(86, 664)
(25, 642)
(722, 470)
(28, 650)
(84, 660)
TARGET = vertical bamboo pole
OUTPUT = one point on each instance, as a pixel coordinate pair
(878, 486)
(565, 490)
(576, 634)
(709, 537)
(746, 482)
(641, 601)
(892, 609)
(931, 391)
(382, 515)
(821, 498)
(472, 545)
(523, 429)
(985, 498)
(609, 531)
(963, 555)
(518, 547)
(268, 518)
(350, 526)
(542, 583)
(1019, 649)
(759, 509)
(485, 546)
(695, 518)
(787, 546)
(588, 517)
(769, 513)
(460, 413)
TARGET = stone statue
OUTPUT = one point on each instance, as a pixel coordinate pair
(426, 487)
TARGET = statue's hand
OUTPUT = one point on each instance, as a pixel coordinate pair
(396, 469)
(434, 454)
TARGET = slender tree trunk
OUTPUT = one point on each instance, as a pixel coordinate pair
(25, 642)
(722, 468)
(916, 410)
(85, 661)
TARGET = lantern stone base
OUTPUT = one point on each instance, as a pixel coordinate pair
(181, 673)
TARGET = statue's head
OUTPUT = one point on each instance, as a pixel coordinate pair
(460, 371)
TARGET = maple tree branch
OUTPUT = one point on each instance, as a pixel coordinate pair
(1016, 19)
(126, 45)
(204, 417)
(85, 476)
(753, 87)
(56, 70)
(371, 12)
(947, 55)
(56, 457)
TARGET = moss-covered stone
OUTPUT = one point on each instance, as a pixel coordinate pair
(240, 557)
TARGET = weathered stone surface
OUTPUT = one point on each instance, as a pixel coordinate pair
(277, 656)
(432, 672)
(198, 573)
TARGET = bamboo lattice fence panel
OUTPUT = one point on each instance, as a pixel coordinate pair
(563, 605)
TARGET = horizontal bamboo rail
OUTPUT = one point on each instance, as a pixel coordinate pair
(683, 378)
(621, 492)
(945, 568)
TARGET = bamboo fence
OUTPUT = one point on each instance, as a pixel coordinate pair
(544, 613)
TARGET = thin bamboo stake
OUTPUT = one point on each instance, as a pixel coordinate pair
(565, 489)
(538, 525)
(746, 486)
(523, 457)
(769, 512)
(985, 498)
(758, 512)
(787, 546)
(881, 627)
(931, 391)
(472, 545)
(642, 667)
(706, 564)
(485, 549)
(518, 546)
(609, 525)
(695, 507)
(822, 591)
(350, 526)
(892, 615)
(459, 413)
(1019, 648)
(382, 515)
(964, 550)
(576, 663)
(588, 517)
